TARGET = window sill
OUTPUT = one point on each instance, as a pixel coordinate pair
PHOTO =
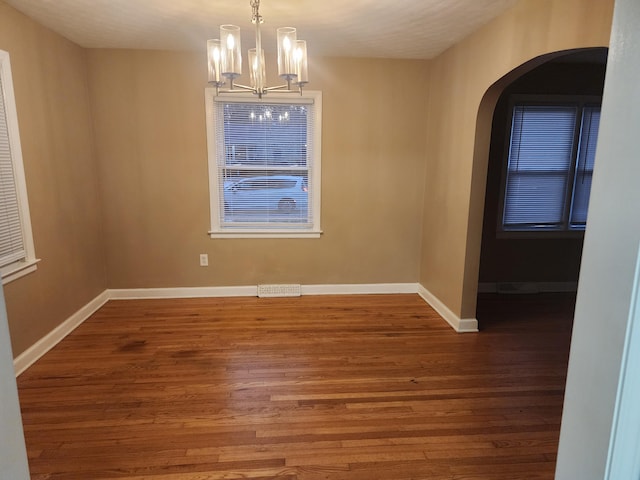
(18, 269)
(265, 234)
(539, 234)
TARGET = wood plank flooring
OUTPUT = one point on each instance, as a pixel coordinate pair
(330, 387)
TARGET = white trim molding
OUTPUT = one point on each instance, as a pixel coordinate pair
(46, 343)
(460, 325)
(17, 270)
(55, 336)
(215, 130)
(623, 461)
(20, 259)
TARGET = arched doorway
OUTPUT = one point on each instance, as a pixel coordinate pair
(522, 262)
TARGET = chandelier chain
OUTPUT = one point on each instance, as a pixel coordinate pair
(255, 7)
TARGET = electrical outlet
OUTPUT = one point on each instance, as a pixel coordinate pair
(204, 260)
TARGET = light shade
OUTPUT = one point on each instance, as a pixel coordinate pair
(231, 62)
(257, 71)
(214, 53)
(286, 52)
(302, 69)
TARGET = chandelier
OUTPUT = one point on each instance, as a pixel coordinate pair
(225, 60)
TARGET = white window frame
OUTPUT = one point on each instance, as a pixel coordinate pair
(306, 231)
(27, 263)
(565, 230)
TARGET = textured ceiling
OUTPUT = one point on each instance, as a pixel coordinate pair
(353, 28)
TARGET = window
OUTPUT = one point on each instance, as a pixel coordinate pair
(264, 164)
(550, 160)
(17, 257)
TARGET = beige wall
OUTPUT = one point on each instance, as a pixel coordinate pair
(50, 83)
(459, 79)
(383, 223)
(150, 136)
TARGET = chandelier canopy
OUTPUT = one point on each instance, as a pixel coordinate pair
(225, 60)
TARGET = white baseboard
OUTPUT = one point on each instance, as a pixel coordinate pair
(46, 343)
(252, 291)
(460, 325)
(358, 289)
(42, 346)
(186, 292)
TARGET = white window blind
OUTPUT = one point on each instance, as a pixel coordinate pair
(17, 255)
(549, 168)
(11, 239)
(265, 165)
(584, 167)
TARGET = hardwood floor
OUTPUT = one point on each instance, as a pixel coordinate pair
(328, 387)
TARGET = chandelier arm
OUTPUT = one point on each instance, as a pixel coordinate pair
(239, 86)
(284, 89)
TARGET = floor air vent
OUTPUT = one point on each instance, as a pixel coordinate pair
(284, 290)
